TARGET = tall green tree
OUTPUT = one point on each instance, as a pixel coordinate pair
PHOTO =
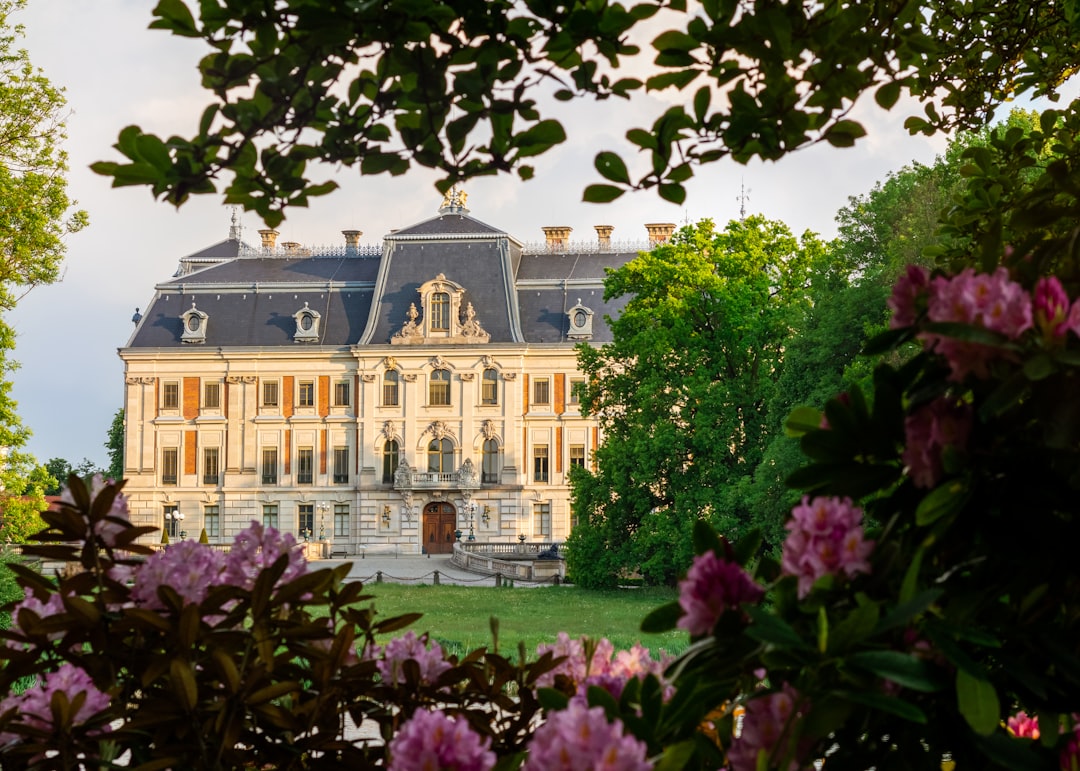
(454, 85)
(682, 394)
(115, 446)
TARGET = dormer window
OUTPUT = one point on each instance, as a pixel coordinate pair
(442, 315)
(581, 319)
(307, 325)
(440, 312)
(194, 325)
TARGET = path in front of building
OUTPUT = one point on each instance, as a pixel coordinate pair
(412, 569)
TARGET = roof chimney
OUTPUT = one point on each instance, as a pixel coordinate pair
(557, 237)
(291, 247)
(659, 232)
(352, 240)
(269, 237)
(603, 236)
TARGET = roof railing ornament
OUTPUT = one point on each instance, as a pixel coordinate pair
(454, 201)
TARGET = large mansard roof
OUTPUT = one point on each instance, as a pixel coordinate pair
(362, 295)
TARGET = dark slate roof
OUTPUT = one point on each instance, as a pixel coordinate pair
(275, 270)
(222, 250)
(447, 224)
(263, 318)
(478, 266)
(543, 312)
(570, 265)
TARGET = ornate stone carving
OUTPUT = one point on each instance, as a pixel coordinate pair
(410, 331)
(509, 376)
(468, 376)
(390, 362)
(467, 475)
(438, 362)
(471, 329)
(409, 377)
(440, 430)
(139, 381)
(488, 360)
(369, 377)
(237, 379)
(389, 430)
(488, 429)
(403, 475)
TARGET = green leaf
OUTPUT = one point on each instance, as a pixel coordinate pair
(673, 192)
(552, 699)
(854, 628)
(844, 133)
(662, 619)
(947, 498)
(903, 669)
(704, 536)
(801, 420)
(903, 613)
(611, 167)
(174, 15)
(601, 193)
(770, 628)
(978, 702)
(887, 94)
(701, 103)
(1039, 367)
(539, 138)
(883, 703)
(677, 756)
(747, 546)
(679, 78)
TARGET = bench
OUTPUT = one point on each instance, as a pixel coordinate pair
(377, 548)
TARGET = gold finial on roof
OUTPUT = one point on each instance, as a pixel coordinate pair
(454, 201)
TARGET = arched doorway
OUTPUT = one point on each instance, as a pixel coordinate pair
(439, 524)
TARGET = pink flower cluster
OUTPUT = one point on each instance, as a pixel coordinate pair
(581, 739)
(257, 548)
(712, 587)
(825, 538)
(34, 704)
(1069, 758)
(928, 431)
(189, 568)
(605, 668)
(433, 741)
(1023, 727)
(767, 728)
(392, 658)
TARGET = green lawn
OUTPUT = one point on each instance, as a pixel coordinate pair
(458, 616)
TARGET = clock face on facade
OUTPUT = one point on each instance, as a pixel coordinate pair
(305, 322)
(580, 318)
(193, 323)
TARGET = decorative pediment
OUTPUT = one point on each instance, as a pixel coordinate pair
(443, 316)
(390, 431)
(440, 430)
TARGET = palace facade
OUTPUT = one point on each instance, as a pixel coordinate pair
(365, 397)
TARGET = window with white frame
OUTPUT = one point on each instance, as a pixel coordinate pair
(390, 388)
(270, 393)
(170, 395)
(441, 456)
(440, 312)
(341, 465)
(439, 388)
(341, 520)
(269, 466)
(305, 465)
(305, 393)
(540, 463)
(170, 463)
(211, 396)
(341, 393)
(542, 391)
(270, 515)
(212, 521)
(542, 520)
(211, 465)
(489, 387)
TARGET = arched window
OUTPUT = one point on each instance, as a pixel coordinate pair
(391, 455)
(491, 466)
(390, 388)
(439, 388)
(489, 387)
(441, 456)
(440, 312)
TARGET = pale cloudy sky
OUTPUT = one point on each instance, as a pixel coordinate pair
(117, 72)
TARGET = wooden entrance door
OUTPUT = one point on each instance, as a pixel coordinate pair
(439, 522)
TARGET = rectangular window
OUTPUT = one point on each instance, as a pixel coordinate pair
(270, 518)
(341, 465)
(577, 384)
(212, 521)
(341, 393)
(439, 388)
(269, 466)
(172, 521)
(305, 465)
(211, 397)
(542, 391)
(540, 463)
(211, 463)
(170, 395)
(489, 387)
(305, 397)
(306, 521)
(341, 520)
(542, 520)
(270, 393)
(390, 389)
(169, 465)
(577, 455)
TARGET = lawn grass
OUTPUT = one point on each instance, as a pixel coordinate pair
(458, 616)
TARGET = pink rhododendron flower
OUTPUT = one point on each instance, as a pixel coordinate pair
(34, 704)
(188, 567)
(575, 666)
(1070, 754)
(260, 547)
(711, 587)
(433, 741)
(767, 727)
(581, 739)
(928, 431)
(31, 603)
(396, 652)
(1022, 726)
(1051, 307)
(993, 301)
(914, 282)
(825, 538)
